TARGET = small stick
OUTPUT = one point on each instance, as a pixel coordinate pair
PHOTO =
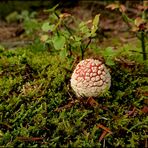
(131, 112)
(29, 138)
(102, 135)
(104, 128)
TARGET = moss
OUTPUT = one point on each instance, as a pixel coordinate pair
(33, 83)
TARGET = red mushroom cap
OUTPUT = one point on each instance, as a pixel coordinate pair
(90, 78)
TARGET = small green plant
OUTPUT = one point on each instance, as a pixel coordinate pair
(61, 36)
(30, 24)
(138, 25)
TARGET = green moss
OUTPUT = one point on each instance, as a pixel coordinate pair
(34, 82)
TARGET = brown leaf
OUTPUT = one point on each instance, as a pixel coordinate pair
(112, 6)
(145, 109)
(130, 113)
(135, 29)
(145, 94)
(92, 102)
(140, 7)
(122, 8)
(64, 15)
(138, 21)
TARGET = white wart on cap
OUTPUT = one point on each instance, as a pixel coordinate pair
(90, 78)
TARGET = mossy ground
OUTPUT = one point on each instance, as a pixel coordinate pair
(35, 82)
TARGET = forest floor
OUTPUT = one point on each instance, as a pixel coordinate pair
(38, 108)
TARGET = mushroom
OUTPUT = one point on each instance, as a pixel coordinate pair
(90, 78)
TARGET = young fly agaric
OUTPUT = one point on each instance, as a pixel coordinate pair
(90, 78)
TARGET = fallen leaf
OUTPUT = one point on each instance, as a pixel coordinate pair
(138, 21)
(140, 7)
(145, 109)
(64, 15)
(122, 8)
(112, 6)
(92, 102)
(135, 29)
(130, 113)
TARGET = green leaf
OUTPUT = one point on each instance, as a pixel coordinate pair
(76, 44)
(58, 42)
(109, 52)
(63, 53)
(12, 17)
(52, 9)
(83, 28)
(96, 20)
(95, 24)
(77, 39)
(30, 26)
(46, 27)
(109, 62)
